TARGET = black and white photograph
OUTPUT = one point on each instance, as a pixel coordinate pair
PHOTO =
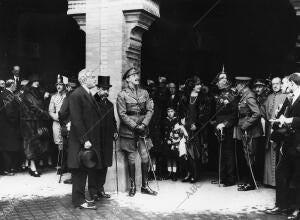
(150, 109)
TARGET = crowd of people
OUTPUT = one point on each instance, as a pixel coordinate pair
(169, 125)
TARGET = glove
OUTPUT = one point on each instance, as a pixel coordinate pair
(140, 128)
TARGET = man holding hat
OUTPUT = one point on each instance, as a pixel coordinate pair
(135, 109)
(249, 127)
(84, 153)
(108, 133)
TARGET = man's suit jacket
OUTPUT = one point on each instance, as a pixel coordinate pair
(85, 120)
(10, 133)
(293, 140)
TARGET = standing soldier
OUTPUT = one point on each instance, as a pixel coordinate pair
(135, 109)
(226, 118)
(249, 128)
(261, 91)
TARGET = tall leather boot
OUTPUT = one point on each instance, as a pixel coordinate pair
(145, 187)
(131, 169)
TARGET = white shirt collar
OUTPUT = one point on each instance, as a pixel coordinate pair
(86, 88)
(296, 95)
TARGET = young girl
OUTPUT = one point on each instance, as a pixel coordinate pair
(177, 141)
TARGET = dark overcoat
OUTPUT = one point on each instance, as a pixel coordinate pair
(34, 117)
(10, 122)
(108, 126)
(85, 120)
(293, 141)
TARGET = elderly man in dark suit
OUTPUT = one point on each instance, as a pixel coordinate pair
(84, 134)
(289, 167)
(10, 140)
(108, 132)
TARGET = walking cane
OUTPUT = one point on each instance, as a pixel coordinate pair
(116, 159)
(150, 161)
(249, 162)
(220, 155)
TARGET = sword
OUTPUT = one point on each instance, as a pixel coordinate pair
(245, 141)
(116, 159)
(236, 162)
(150, 161)
(220, 155)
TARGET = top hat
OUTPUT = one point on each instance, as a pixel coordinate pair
(104, 81)
(88, 158)
(130, 72)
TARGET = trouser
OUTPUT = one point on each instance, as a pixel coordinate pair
(227, 157)
(97, 181)
(287, 170)
(250, 153)
(193, 167)
(78, 184)
(130, 146)
(10, 159)
(260, 158)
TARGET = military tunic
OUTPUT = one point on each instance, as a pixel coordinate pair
(249, 127)
(226, 113)
(134, 107)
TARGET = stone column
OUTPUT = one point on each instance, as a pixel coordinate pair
(114, 30)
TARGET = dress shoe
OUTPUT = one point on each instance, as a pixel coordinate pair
(8, 173)
(193, 180)
(246, 187)
(104, 195)
(186, 179)
(295, 215)
(88, 205)
(68, 181)
(217, 182)
(34, 173)
(276, 211)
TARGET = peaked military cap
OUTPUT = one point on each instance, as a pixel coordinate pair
(130, 72)
(259, 82)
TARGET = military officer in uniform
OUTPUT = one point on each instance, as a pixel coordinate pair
(249, 128)
(226, 118)
(135, 109)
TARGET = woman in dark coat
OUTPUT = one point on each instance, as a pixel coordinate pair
(10, 128)
(197, 111)
(34, 125)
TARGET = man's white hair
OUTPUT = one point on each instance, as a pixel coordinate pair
(83, 75)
